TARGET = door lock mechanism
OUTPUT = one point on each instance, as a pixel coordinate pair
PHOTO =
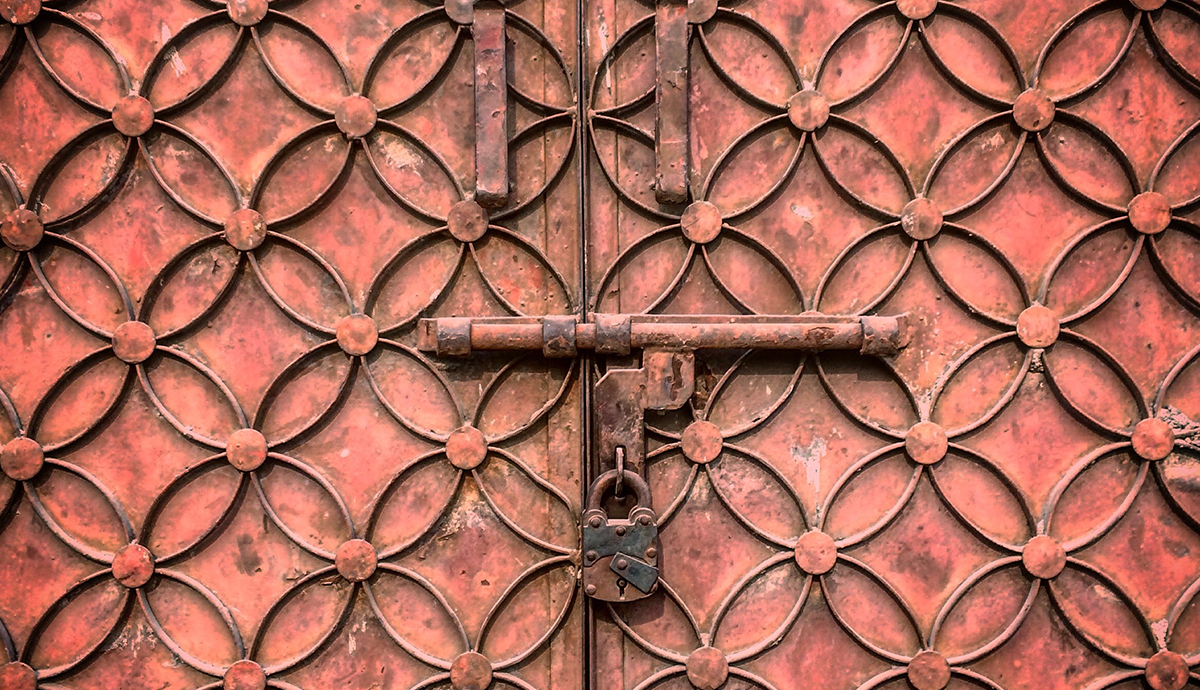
(620, 556)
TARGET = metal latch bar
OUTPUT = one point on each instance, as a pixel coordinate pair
(564, 336)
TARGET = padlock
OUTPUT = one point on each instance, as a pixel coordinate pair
(620, 556)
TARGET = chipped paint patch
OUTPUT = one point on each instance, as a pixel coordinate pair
(809, 457)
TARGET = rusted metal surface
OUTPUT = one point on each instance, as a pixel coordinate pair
(1013, 500)
(227, 464)
(224, 463)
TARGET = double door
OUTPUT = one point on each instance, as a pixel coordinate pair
(320, 321)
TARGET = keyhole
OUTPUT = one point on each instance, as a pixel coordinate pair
(621, 585)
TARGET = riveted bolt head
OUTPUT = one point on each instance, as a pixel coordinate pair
(357, 334)
(1043, 557)
(356, 560)
(133, 342)
(707, 668)
(21, 230)
(916, 9)
(1149, 213)
(244, 675)
(245, 229)
(816, 553)
(1167, 670)
(246, 449)
(356, 116)
(1033, 110)
(133, 116)
(20, 12)
(702, 442)
(471, 671)
(247, 12)
(1153, 439)
(701, 222)
(921, 219)
(133, 566)
(926, 443)
(808, 110)
(929, 671)
(466, 448)
(467, 221)
(1038, 327)
(21, 459)
(18, 676)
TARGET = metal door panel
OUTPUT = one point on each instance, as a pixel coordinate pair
(390, 521)
(1010, 502)
(1002, 504)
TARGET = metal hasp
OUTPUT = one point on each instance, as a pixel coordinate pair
(487, 22)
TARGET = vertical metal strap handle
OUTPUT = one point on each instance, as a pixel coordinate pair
(671, 97)
(491, 105)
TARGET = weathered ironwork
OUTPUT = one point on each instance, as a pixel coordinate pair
(969, 514)
(226, 463)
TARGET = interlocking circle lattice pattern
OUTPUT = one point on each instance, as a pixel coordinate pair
(225, 465)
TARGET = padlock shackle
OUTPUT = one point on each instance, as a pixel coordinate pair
(608, 481)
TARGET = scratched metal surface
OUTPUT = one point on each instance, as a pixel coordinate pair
(225, 465)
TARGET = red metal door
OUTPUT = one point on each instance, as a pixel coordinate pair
(232, 217)
(1013, 501)
(227, 464)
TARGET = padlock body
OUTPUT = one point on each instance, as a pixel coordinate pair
(633, 541)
